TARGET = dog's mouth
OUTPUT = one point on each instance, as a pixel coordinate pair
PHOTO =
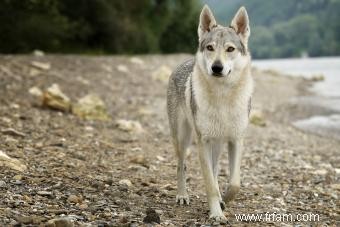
(217, 74)
(220, 74)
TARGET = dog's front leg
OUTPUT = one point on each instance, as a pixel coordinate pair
(235, 155)
(217, 147)
(205, 155)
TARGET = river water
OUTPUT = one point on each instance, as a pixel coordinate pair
(327, 91)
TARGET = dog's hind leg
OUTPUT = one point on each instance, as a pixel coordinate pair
(235, 154)
(182, 140)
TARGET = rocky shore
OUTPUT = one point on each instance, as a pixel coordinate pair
(105, 157)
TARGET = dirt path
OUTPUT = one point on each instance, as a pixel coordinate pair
(76, 167)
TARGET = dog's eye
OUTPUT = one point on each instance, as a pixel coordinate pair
(230, 49)
(210, 48)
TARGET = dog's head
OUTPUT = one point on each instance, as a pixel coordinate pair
(223, 51)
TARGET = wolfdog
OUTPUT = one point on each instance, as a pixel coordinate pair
(210, 96)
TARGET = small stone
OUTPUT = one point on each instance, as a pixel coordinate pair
(140, 159)
(162, 73)
(125, 182)
(60, 222)
(35, 91)
(11, 163)
(54, 98)
(151, 216)
(12, 132)
(136, 149)
(123, 219)
(122, 68)
(74, 199)
(256, 118)
(17, 182)
(44, 193)
(18, 177)
(160, 158)
(136, 61)
(129, 126)
(159, 211)
(320, 172)
(38, 53)
(2, 184)
(34, 72)
(83, 206)
(91, 107)
(41, 65)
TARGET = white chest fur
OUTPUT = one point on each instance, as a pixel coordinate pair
(222, 110)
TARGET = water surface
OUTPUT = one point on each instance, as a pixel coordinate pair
(327, 91)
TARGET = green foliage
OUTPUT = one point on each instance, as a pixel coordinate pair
(29, 24)
(180, 35)
(279, 28)
(287, 28)
(105, 26)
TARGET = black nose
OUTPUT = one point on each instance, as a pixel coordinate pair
(217, 67)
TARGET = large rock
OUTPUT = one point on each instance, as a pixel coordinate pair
(11, 163)
(54, 98)
(90, 107)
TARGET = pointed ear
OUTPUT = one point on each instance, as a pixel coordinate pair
(240, 23)
(207, 21)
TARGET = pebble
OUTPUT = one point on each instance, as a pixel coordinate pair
(137, 61)
(129, 126)
(60, 222)
(122, 68)
(17, 182)
(126, 182)
(162, 73)
(151, 216)
(140, 159)
(44, 193)
(83, 206)
(11, 163)
(2, 184)
(41, 65)
(74, 199)
(18, 177)
(320, 172)
(54, 98)
(12, 132)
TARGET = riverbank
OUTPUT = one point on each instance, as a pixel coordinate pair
(95, 172)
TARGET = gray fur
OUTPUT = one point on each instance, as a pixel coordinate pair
(222, 34)
(176, 90)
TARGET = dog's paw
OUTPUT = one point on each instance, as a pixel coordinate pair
(218, 219)
(222, 205)
(182, 199)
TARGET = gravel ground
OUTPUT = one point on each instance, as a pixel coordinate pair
(92, 173)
